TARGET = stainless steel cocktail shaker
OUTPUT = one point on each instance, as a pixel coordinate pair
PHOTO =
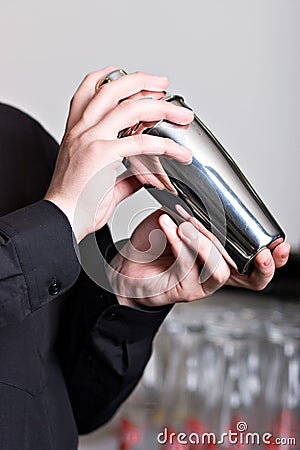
(212, 188)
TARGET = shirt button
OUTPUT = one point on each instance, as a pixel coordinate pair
(110, 316)
(54, 288)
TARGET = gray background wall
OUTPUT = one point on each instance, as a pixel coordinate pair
(235, 61)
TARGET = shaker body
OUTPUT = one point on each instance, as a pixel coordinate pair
(212, 188)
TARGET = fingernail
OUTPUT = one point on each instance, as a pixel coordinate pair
(188, 230)
(186, 111)
(168, 221)
(187, 153)
(147, 97)
(162, 77)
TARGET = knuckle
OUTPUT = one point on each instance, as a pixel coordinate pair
(72, 135)
(189, 297)
(84, 139)
(226, 275)
(258, 285)
(75, 99)
(138, 73)
(165, 143)
(89, 76)
(142, 78)
(72, 101)
(221, 275)
(92, 147)
(86, 118)
(125, 104)
(259, 282)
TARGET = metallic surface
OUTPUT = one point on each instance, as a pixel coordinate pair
(111, 76)
(212, 189)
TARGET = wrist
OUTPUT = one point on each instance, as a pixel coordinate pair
(125, 301)
(79, 230)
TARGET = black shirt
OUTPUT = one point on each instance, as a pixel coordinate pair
(69, 353)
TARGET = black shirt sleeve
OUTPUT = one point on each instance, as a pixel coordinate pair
(38, 261)
(104, 346)
(110, 363)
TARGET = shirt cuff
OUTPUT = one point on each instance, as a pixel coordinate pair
(43, 240)
(124, 323)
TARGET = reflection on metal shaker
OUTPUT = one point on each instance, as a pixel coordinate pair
(212, 188)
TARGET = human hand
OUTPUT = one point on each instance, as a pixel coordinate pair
(263, 266)
(84, 184)
(189, 267)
